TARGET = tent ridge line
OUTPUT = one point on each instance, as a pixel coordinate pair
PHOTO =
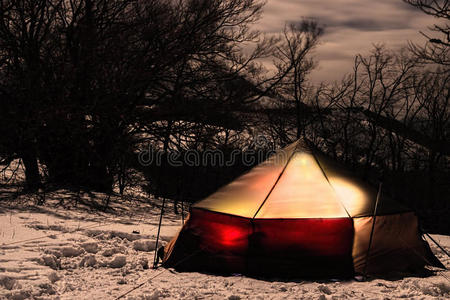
(276, 182)
(326, 177)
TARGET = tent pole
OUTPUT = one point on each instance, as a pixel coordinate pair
(155, 257)
(374, 218)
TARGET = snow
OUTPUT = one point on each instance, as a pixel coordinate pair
(144, 245)
(91, 247)
(73, 252)
(50, 260)
(53, 277)
(118, 261)
(88, 261)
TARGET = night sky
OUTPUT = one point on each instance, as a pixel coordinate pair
(351, 27)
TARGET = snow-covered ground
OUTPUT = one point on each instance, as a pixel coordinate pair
(64, 250)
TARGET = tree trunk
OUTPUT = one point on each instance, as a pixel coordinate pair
(33, 180)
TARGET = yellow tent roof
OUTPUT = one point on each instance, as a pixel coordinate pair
(297, 182)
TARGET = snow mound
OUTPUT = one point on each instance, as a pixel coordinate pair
(8, 283)
(118, 261)
(19, 295)
(53, 277)
(46, 288)
(324, 289)
(113, 250)
(156, 295)
(144, 245)
(55, 252)
(50, 260)
(143, 262)
(438, 289)
(90, 247)
(107, 235)
(88, 261)
(71, 251)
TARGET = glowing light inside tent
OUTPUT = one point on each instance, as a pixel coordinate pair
(302, 192)
(304, 160)
(219, 231)
(354, 198)
(231, 235)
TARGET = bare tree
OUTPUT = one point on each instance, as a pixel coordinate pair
(25, 27)
(81, 79)
(294, 64)
(437, 49)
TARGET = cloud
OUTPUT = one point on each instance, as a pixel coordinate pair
(351, 27)
(360, 23)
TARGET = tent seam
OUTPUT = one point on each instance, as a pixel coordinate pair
(326, 177)
(276, 182)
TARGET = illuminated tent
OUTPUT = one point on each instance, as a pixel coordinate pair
(298, 213)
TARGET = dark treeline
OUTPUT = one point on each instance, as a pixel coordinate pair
(86, 85)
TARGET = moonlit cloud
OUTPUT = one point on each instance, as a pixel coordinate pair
(351, 27)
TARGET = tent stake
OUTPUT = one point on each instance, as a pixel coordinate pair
(372, 230)
(155, 258)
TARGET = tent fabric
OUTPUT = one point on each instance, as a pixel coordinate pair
(298, 213)
(243, 196)
(313, 196)
(323, 188)
(395, 240)
(357, 196)
(230, 244)
(312, 247)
